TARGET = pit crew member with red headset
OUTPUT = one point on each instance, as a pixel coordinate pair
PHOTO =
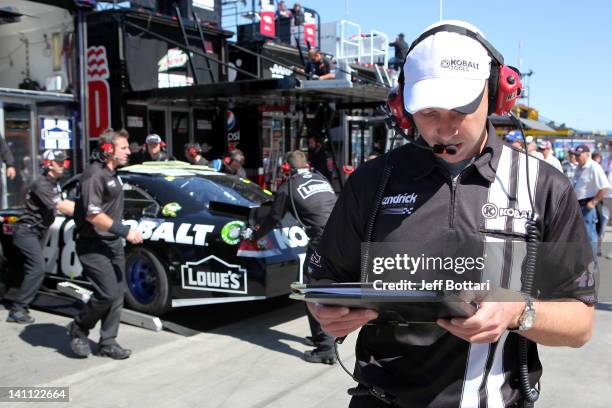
(99, 228)
(193, 152)
(43, 201)
(456, 183)
(310, 198)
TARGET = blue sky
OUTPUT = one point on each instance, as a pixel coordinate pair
(567, 44)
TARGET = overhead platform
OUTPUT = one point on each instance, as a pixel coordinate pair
(267, 92)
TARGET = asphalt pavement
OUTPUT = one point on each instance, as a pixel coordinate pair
(252, 361)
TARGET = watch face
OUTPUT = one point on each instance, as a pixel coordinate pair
(528, 319)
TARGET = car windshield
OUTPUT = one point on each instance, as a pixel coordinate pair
(220, 188)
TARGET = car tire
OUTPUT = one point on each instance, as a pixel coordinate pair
(146, 281)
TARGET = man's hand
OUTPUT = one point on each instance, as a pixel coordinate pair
(134, 237)
(487, 324)
(10, 172)
(247, 233)
(591, 204)
(340, 321)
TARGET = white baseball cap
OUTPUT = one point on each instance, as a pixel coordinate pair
(54, 155)
(153, 138)
(446, 70)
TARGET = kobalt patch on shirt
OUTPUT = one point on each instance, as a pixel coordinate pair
(490, 210)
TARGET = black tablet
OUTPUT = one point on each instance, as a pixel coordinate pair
(396, 306)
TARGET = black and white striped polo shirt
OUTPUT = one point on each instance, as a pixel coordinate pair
(488, 205)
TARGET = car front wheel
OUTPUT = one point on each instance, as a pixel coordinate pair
(147, 283)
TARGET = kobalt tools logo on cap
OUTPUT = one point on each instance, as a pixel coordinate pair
(456, 64)
(490, 210)
(399, 204)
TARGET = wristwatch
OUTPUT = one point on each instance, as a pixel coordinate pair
(528, 317)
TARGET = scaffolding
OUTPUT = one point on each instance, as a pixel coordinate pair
(351, 47)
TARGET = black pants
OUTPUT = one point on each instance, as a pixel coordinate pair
(27, 240)
(324, 341)
(103, 264)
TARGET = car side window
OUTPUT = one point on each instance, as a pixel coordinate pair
(138, 203)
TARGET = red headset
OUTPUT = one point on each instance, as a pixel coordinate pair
(504, 81)
(65, 163)
(227, 160)
(107, 148)
(285, 167)
(348, 169)
(192, 149)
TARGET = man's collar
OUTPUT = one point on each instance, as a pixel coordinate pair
(486, 163)
(422, 162)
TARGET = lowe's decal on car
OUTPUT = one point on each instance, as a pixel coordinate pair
(214, 275)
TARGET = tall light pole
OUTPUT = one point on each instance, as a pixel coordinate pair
(441, 10)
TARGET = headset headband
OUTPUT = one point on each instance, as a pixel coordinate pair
(496, 55)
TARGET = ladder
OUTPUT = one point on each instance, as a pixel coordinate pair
(196, 78)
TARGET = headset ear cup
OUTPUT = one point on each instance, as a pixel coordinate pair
(508, 89)
(107, 147)
(227, 160)
(46, 163)
(395, 102)
(66, 164)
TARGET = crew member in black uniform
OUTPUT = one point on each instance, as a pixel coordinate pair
(458, 183)
(233, 164)
(6, 156)
(155, 149)
(401, 48)
(193, 153)
(310, 198)
(42, 201)
(317, 66)
(98, 215)
(319, 158)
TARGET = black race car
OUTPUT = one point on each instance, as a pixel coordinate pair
(190, 218)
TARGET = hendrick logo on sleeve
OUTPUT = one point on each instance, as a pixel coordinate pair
(399, 204)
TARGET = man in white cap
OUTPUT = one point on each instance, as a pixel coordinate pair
(43, 201)
(456, 183)
(545, 149)
(155, 149)
(591, 186)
